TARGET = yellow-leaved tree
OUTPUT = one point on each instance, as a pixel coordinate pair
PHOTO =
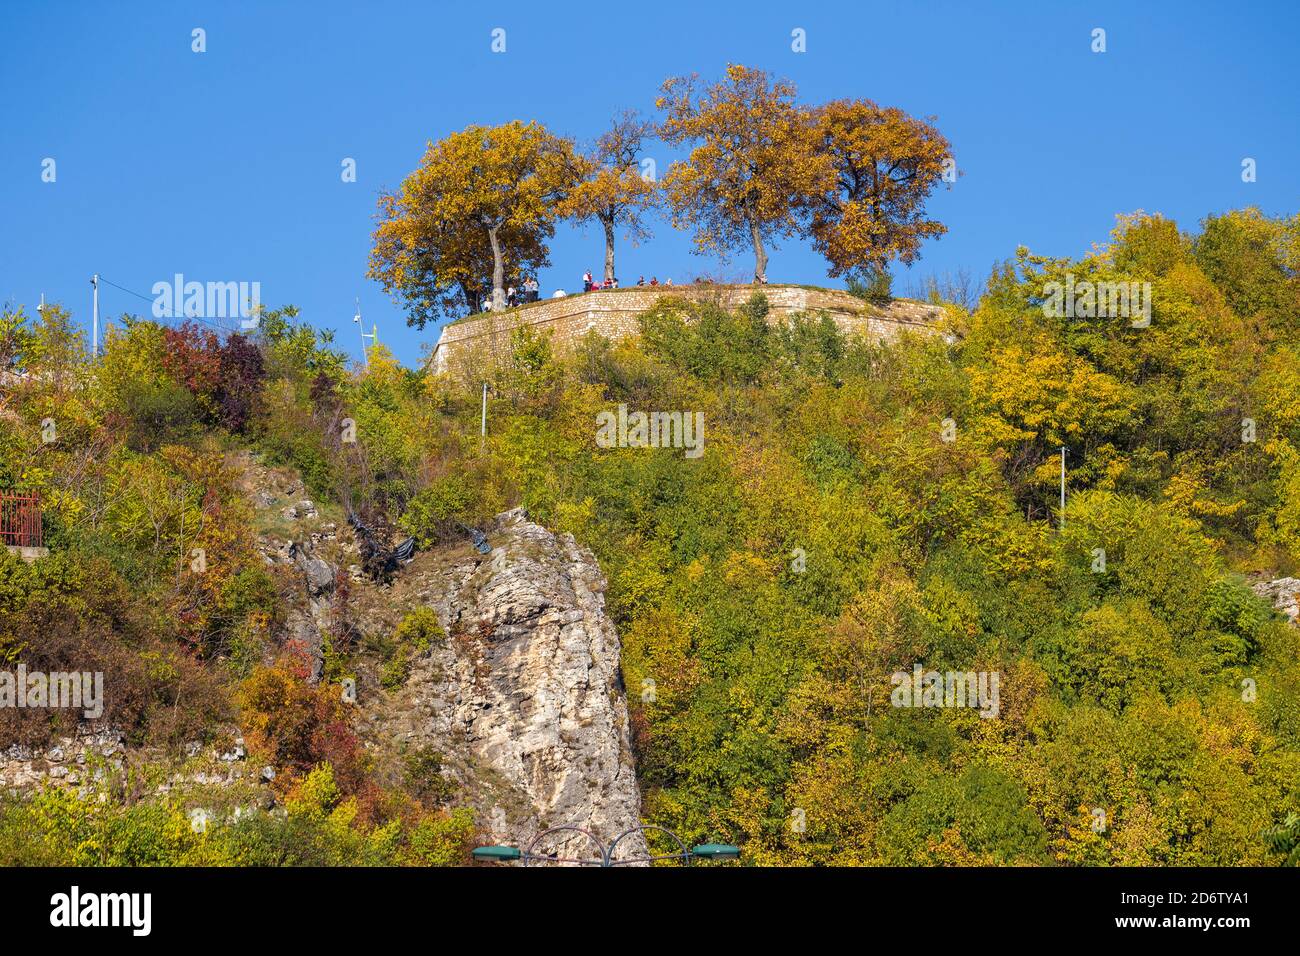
(752, 155)
(851, 175)
(479, 208)
(884, 165)
(613, 190)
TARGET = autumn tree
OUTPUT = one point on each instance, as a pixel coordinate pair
(884, 165)
(56, 349)
(16, 338)
(486, 196)
(447, 270)
(224, 377)
(1255, 260)
(751, 152)
(613, 191)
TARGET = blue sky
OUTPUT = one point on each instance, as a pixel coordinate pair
(225, 165)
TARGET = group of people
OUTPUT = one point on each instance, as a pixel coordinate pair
(591, 285)
(528, 290)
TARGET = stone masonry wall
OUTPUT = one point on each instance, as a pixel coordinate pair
(613, 313)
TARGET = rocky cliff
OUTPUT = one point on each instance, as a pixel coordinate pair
(524, 696)
(520, 695)
(1284, 595)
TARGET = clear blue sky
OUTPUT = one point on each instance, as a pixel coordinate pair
(226, 165)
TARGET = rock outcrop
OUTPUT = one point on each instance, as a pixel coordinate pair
(64, 761)
(524, 697)
(95, 754)
(296, 540)
(1284, 594)
(520, 695)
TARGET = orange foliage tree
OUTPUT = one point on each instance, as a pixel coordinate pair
(613, 191)
(884, 165)
(487, 188)
(751, 153)
(298, 726)
(851, 175)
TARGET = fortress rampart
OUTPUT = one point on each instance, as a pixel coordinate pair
(613, 313)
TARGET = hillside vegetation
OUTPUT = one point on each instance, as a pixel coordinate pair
(859, 509)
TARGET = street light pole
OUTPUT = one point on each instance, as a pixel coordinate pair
(373, 336)
(94, 341)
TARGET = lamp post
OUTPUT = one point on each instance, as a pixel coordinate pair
(605, 854)
(94, 342)
(373, 336)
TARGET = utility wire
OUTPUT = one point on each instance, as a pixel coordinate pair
(124, 289)
(149, 298)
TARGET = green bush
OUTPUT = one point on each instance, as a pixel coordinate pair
(435, 512)
(413, 637)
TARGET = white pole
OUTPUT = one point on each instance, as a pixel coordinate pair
(483, 427)
(94, 339)
(1062, 487)
(362, 329)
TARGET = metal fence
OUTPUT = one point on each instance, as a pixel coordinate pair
(20, 518)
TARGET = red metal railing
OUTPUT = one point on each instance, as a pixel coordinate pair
(20, 518)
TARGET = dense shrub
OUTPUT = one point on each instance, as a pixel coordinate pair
(317, 827)
(64, 615)
(860, 508)
(436, 513)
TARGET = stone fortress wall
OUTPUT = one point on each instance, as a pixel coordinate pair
(613, 313)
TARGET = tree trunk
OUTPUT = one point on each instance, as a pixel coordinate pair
(760, 254)
(498, 271)
(471, 297)
(609, 248)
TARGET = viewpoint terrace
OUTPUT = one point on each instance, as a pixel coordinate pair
(613, 313)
